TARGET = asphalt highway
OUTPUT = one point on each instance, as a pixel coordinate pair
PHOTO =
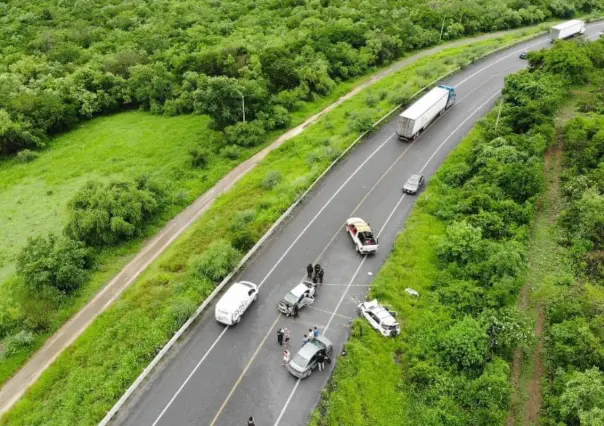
(222, 375)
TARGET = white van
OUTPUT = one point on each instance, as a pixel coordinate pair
(235, 301)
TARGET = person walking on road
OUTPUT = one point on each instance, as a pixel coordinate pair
(250, 422)
(311, 335)
(320, 275)
(305, 340)
(280, 333)
(315, 333)
(286, 335)
(309, 270)
(295, 310)
(321, 360)
(285, 357)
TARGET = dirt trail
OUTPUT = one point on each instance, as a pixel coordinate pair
(72, 329)
(527, 397)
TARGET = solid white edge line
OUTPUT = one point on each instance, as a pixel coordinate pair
(188, 378)
(118, 405)
(334, 313)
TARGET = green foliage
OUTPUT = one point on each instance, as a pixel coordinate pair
(248, 134)
(57, 262)
(105, 214)
(199, 156)
(465, 345)
(121, 342)
(217, 261)
(271, 179)
(105, 57)
(27, 156)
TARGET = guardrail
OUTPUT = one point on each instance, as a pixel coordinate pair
(119, 404)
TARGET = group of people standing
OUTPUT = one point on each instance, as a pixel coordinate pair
(315, 273)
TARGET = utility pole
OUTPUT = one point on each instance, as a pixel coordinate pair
(442, 28)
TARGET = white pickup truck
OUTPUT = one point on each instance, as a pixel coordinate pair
(361, 235)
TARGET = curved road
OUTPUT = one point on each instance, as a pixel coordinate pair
(221, 375)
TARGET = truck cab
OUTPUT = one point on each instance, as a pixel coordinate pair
(452, 95)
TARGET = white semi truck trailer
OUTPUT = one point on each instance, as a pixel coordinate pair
(422, 113)
(567, 29)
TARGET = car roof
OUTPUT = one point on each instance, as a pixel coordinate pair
(233, 296)
(299, 289)
(381, 312)
(415, 176)
(313, 346)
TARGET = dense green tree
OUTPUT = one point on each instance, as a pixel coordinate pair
(108, 213)
(58, 262)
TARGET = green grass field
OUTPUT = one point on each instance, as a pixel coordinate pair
(86, 380)
(34, 196)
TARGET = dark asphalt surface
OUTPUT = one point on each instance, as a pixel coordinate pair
(222, 376)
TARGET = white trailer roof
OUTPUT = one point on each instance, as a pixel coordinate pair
(422, 105)
(567, 24)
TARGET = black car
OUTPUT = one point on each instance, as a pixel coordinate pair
(523, 55)
(414, 184)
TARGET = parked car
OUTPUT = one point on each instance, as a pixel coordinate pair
(305, 361)
(523, 55)
(414, 184)
(361, 235)
(235, 301)
(301, 295)
(380, 318)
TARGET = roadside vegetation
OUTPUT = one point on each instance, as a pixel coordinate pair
(62, 64)
(92, 374)
(465, 250)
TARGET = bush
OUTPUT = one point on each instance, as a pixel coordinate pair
(360, 122)
(199, 156)
(57, 262)
(217, 261)
(246, 134)
(13, 343)
(103, 214)
(27, 156)
(271, 180)
(232, 152)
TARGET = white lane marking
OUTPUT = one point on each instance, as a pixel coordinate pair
(270, 272)
(378, 235)
(328, 312)
(345, 285)
(225, 402)
(499, 60)
(323, 208)
(188, 378)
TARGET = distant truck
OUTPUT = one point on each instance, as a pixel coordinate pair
(567, 29)
(422, 113)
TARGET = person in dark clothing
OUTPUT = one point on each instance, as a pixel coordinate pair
(250, 422)
(317, 269)
(315, 279)
(309, 270)
(321, 360)
(320, 274)
(295, 310)
(280, 336)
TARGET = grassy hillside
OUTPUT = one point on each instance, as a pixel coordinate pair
(34, 196)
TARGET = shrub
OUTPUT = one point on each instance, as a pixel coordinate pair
(108, 213)
(13, 343)
(199, 156)
(246, 134)
(243, 241)
(27, 156)
(360, 122)
(272, 179)
(232, 152)
(58, 262)
(217, 261)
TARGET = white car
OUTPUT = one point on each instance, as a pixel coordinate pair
(235, 301)
(361, 235)
(301, 295)
(380, 317)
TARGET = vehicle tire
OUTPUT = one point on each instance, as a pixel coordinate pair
(357, 248)
(415, 136)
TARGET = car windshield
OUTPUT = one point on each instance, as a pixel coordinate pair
(413, 180)
(290, 298)
(389, 327)
(300, 360)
